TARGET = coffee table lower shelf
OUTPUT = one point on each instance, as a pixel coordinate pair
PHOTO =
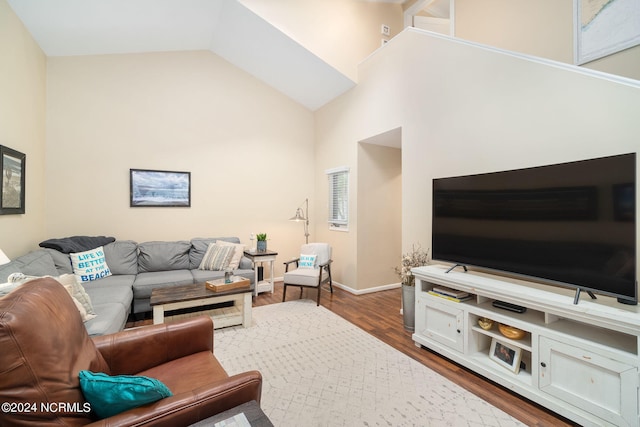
(238, 314)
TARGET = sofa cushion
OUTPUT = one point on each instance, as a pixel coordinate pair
(122, 294)
(35, 319)
(7, 270)
(199, 246)
(163, 256)
(146, 282)
(61, 261)
(90, 265)
(110, 395)
(122, 256)
(111, 318)
(36, 263)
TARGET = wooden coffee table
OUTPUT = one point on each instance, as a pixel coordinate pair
(198, 295)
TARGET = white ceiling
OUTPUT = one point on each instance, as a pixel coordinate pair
(226, 27)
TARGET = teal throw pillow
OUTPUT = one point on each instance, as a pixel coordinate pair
(110, 395)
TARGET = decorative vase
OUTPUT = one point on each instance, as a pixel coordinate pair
(409, 307)
(262, 246)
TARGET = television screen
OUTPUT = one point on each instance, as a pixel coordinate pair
(570, 224)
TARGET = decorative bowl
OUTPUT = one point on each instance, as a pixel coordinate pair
(511, 332)
(485, 323)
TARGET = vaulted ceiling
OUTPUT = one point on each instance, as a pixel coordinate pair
(226, 27)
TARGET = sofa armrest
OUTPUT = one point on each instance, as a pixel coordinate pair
(189, 408)
(134, 350)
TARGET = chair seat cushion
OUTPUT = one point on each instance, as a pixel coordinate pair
(304, 276)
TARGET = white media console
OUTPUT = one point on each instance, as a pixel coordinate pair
(579, 360)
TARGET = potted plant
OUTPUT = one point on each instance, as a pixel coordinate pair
(262, 242)
(417, 257)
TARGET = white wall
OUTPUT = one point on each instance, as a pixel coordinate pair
(249, 149)
(22, 127)
(465, 109)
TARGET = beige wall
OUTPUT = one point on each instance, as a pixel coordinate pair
(465, 109)
(249, 149)
(379, 220)
(542, 28)
(22, 127)
(341, 32)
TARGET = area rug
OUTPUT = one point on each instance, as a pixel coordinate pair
(320, 370)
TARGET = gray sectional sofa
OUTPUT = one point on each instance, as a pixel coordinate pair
(136, 269)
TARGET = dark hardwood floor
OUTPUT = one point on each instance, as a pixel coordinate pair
(379, 314)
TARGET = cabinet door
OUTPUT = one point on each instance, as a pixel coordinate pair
(596, 384)
(442, 323)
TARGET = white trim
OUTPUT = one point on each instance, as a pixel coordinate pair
(548, 62)
(337, 170)
(280, 280)
(368, 290)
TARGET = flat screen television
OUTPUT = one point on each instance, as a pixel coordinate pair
(569, 224)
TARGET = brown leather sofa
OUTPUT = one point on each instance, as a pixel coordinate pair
(44, 345)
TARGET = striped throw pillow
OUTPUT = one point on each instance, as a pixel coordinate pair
(217, 257)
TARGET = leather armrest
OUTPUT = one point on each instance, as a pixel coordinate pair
(133, 350)
(189, 408)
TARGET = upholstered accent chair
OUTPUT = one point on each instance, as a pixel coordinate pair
(44, 345)
(313, 269)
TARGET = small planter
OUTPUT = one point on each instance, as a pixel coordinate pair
(262, 246)
(409, 307)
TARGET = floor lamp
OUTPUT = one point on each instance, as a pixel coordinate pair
(303, 216)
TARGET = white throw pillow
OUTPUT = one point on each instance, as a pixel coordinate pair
(307, 261)
(217, 257)
(90, 265)
(77, 292)
(237, 254)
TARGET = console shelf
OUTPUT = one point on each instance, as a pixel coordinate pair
(579, 360)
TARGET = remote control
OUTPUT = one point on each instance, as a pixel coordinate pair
(509, 306)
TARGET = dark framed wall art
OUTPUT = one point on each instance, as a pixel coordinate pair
(12, 181)
(160, 188)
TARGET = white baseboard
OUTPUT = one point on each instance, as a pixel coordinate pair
(368, 290)
(355, 291)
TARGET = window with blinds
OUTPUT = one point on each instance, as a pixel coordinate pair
(338, 198)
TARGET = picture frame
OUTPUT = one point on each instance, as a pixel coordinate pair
(12, 181)
(508, 356)
(158, 188)
(604, 27)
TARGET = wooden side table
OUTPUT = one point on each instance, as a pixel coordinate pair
(261, 257)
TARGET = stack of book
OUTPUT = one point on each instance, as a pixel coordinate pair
(450, 294)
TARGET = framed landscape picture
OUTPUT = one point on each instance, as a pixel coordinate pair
(12, 181)
(160, 188)
(603, 27)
